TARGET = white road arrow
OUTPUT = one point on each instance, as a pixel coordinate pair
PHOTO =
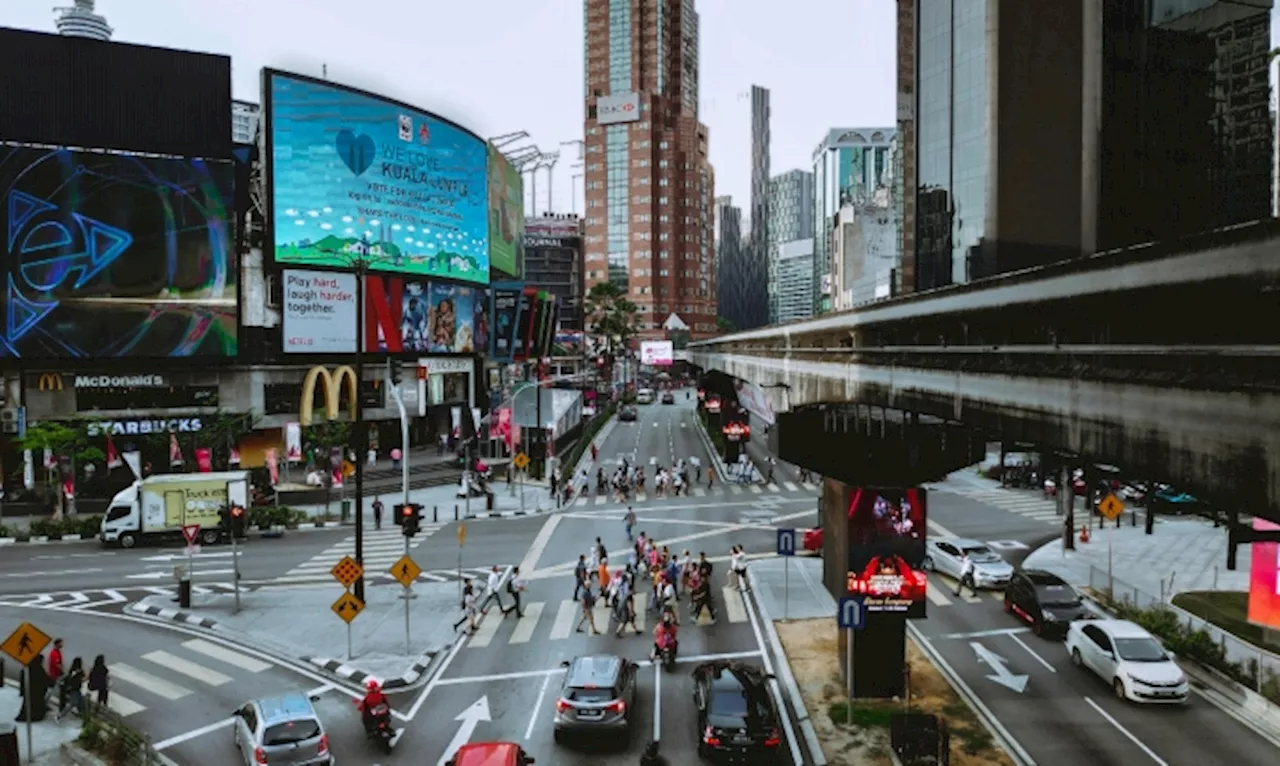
(470, 718)
(1001, 675)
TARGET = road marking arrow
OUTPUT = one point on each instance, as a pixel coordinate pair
(112, 597)
(1002, 674)
(470, 718)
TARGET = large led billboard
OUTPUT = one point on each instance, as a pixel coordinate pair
(886, 549)
(506, 215)
(354, 176)
(115, 255)
(403, 316)
(1264, 580)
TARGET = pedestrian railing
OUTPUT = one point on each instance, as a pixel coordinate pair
(105, 732)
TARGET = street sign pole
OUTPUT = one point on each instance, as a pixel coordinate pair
(522, 491)
(462, 536)
(26, 700)
(348, 642)
(848, 671)
(786, 549)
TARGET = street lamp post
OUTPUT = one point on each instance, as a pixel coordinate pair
(362, 433)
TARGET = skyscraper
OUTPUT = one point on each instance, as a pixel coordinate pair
(755, 264)
(730, 291)
(649, 187)
(790, 220)
(81, 21)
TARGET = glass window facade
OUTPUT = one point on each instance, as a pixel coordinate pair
(618, 203)
(934, 144)
(619, 46)
(969, 117)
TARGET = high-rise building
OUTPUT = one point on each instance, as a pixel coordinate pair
(849, 164)
(790, 219)
(794, 280)
(80, 20)
(244, 121)
(904, 178)
(553, 262)
(649, 187)
(729, 245)
(998, 148)
(755, 302)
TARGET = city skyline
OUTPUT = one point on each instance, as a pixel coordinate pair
(788, 53)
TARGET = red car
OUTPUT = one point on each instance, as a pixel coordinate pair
(813, 540)
(491, 754)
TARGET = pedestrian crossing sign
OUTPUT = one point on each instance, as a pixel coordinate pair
(1111, 507)
(406, 570)
(348, 607)
(347, 571)
(25, 643)
(521, 460)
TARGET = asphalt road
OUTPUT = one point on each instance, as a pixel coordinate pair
(1064, 716)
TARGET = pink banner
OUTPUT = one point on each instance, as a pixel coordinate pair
(273, 465)
(175, 452)
(204, 460)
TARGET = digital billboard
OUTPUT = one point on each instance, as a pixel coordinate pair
(506, 215)
(886, 549)
(1264, 580)
(319, 312)
(403, 316)
(659, 353)
(115, 255)
(506, 313)
(357, 177)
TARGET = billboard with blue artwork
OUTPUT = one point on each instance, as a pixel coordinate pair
(354, 176)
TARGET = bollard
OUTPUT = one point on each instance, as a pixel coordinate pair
(184, 593)
(435, 514)
(455, 511)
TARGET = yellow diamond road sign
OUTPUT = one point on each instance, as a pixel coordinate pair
(25, 643)
(521, 460)
(348, 607)
(406, 570)
(1111, 507)
(347, 571)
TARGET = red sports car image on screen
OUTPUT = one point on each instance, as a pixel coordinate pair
(886, 549)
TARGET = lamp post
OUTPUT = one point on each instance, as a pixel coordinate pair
(362, 433)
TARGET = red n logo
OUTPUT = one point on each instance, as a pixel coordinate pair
(383, 310)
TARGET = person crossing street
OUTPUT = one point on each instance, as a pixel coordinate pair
(966, 576)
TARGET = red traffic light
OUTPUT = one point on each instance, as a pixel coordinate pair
(406, 510)
(237, 511)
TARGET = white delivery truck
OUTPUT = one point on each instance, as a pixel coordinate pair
(158, 507)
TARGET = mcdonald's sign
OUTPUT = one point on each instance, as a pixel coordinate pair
(50, 381)
(332, 392)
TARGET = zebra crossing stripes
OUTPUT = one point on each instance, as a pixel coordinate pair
(942, 589)
(718, 491)
(1025, 504)
(104, 599)
(189, 668)
(382, 548)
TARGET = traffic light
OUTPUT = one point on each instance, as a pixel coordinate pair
(409, 517)
(239, 520)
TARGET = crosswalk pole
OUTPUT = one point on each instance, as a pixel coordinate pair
(408, 589)
(235, 568)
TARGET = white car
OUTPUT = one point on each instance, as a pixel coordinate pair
(946, 555)
(1128, 658)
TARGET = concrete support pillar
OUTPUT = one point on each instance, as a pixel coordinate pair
(1067, 502)
(1003, 453)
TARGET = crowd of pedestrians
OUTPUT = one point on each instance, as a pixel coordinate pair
(62, 683)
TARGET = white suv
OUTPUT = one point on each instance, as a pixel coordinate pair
(1128, 658)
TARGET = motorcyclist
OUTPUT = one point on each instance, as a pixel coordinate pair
(373, 698)
(664, 637)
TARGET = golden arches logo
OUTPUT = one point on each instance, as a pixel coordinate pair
(332, 392)
(50, 382)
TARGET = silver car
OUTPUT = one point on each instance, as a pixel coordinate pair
(281, 730)
(946, 555)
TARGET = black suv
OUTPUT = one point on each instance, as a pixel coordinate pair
(597, 697)
(737, 721)
(1044, 601)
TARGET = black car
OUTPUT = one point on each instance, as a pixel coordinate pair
(627, 414)
(737, 720)
(668, 398)
(1044, 601)
(597, 697)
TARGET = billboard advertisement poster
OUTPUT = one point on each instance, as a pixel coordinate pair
(754, 401)
(480, 322)
(1264, 580)
(656, 352)
(436, 317)
(116, 255)
(506, 309)
(886, 549)
(506, 214)
(319, 312)
(358, 176)
(525, 316)
(618, 108)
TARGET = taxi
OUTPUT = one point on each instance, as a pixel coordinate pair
(490, 754)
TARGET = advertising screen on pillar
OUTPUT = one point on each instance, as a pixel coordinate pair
(886, 549)
(506, 310)
(422, 317)
(1264, 580)
(525, 317)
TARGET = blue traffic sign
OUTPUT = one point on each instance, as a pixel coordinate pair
(786, 542)
(850, 613)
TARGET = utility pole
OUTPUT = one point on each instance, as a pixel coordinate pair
(362, 433)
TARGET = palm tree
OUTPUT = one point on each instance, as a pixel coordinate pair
(613, 317)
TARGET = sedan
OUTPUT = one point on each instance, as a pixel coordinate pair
(947, 555)
(668, 398)
(1129, 659)
(737, 721)
(627, 414)
(1044, 601)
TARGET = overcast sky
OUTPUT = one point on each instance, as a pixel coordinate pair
(500, 66)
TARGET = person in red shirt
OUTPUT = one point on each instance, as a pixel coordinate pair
(55, 661)
(373, 699)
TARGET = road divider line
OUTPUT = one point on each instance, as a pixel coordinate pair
(657, 702)
(155, 685)
(734, 608)
(537, 707)
(563, 625)
(981, 633)
(490, 678)
(527, 623)
(792, 742)
(1033, 653)
(187, 668)
(226, 655)
(539, 545)
(193, 734)
(1128, 734)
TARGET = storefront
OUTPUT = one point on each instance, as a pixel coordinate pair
(446, 396)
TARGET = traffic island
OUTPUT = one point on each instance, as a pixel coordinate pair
(812, 648)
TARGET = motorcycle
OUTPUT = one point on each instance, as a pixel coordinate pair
(667, 658)
(378, 727)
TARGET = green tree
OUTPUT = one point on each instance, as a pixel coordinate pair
(63, 441)
(724, 325)
(612, 317)
(324, 436)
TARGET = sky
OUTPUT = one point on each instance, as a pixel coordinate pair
(504, 66)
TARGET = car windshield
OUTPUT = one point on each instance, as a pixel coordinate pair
(981, 555)
(1057, 595)
(290, 733)
(591, 696)
(736, 708)
(1140, 650)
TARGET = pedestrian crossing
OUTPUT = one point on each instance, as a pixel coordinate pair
(560, 620)
(160, 677)
(716, 491)
(112, 600)
(382, 548)
(1027, 504)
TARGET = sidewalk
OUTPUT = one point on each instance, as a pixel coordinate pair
(537, 499)
(299, 623)
(47, 737)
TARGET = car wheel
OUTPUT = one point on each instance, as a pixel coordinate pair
(1076, 659)
(1037, 627)
(1118, 687)
(559, 737)
(210, 537)
(128, 540)
(927, 564)
(1008, 605)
